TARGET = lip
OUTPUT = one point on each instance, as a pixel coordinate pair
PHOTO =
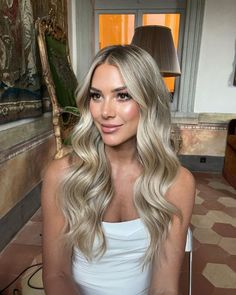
(110, 128)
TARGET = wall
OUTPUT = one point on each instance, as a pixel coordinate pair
(26, 148)
(204, 132)
(214, 90)
(81, 37)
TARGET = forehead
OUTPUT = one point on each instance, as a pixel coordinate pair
(107, 75)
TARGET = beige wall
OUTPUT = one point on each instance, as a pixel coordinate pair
(23, 163)
(204, 140)
(204, 134)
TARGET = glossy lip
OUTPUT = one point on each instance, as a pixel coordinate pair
(110, 128)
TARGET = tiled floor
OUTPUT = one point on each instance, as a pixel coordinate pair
(214, 244)
(214, 231)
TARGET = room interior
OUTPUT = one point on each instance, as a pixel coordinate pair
(203, 113)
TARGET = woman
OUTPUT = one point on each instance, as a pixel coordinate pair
(117, 209)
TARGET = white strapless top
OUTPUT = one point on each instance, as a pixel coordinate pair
(119, 271)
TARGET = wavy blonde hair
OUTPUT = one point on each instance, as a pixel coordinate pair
(87, 188)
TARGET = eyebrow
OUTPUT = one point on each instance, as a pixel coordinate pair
(114, 90)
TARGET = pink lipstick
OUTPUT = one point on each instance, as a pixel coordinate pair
(109, 128)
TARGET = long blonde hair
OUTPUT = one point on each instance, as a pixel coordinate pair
(87, 188)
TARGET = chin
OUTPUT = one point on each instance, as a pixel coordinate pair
(119, 142)
(112, 143)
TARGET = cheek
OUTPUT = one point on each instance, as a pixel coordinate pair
(131, 111)
(93, 109)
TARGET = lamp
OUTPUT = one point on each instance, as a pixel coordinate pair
(158, 41)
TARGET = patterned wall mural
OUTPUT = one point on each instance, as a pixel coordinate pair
(21, 86)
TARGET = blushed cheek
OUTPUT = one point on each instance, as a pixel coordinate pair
(131, 111)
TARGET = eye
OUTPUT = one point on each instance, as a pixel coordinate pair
(95, 95)
(123, 96)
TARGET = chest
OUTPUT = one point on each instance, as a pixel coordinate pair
(121, 207)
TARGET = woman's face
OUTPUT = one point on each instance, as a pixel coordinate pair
(115, 113)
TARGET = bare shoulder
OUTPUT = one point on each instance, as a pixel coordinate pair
(56, 169)
(184, 179)
(182, 192)
(52, 179)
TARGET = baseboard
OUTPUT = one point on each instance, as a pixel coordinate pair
(202, 163)
(15, 219)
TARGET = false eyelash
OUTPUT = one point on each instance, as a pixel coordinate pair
(94, 95)
(126, 94)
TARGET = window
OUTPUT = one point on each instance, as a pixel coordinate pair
(188, 40)
(119, 29)
(114, 25)
(115, 29)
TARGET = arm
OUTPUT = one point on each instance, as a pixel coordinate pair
(57, 275)
(166, 271)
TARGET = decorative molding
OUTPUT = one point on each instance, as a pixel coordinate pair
(190, 57)
(19, 109)
(190, 118)
(22, 169)
(136, 4)
(203, 127)
(24, 146)
(20, 136)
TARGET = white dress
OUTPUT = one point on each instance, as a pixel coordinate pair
(119, 271)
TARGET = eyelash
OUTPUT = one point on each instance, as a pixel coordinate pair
(95, 95)
(123, 96)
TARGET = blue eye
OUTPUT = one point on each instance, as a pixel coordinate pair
(124, 96)
(95, 95)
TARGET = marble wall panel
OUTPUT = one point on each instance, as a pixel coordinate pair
(203, 140)
(20, 174)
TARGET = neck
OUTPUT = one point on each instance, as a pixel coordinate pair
(122, 155)
(123, 161)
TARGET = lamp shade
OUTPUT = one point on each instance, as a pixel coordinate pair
(158, 42)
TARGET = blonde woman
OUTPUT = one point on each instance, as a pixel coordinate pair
(117, 209)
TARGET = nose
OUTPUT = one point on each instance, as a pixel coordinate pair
(108, 109)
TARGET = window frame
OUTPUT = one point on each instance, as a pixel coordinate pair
(108, 11)
(138, 13)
